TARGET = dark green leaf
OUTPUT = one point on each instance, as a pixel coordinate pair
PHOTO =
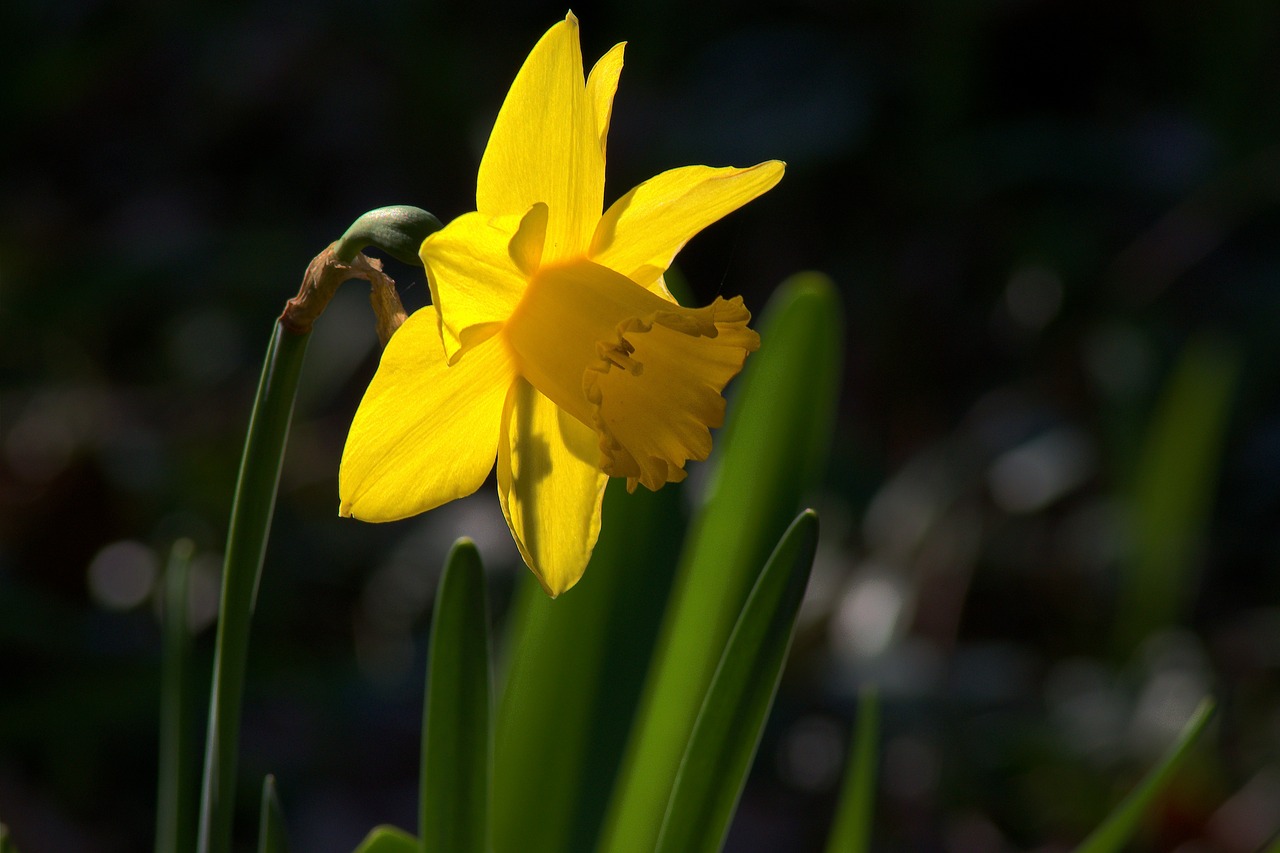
(851, 832)
(577, 664)
(773, 450)
(1173, 489)
(453, 813)
(388, 839)
(175, 798)
(271, 834)
(727, 732)
(1123, 822)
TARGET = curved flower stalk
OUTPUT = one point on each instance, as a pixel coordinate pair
(552, 343)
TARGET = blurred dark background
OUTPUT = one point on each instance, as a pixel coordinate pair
(1052, 517)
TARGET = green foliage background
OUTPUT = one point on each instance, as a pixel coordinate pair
(1048, 520)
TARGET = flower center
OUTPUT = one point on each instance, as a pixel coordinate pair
(645, 374)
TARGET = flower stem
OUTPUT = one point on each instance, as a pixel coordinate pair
(246, 545)
(392, 230)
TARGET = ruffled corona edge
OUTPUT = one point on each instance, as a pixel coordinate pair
(656, 391)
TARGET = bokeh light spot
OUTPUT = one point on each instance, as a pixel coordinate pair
(122, 575)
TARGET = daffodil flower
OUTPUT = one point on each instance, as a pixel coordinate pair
(552, 343)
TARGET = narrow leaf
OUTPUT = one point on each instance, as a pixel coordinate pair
(271, 834)
(175, 794)
(1173, 488)
(727, 731)
(577, 665)
(1123, 822)
(772, 450)
(851, 832)
(6, 843)
(388, 839)
(251, 512)
(453, 813)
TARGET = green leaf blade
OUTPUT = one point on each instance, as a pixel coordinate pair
(1173, 487)
(1123, 822)
(728, 728)
(175, 779)
(271, 833)
(851, 832)
(388, 839)
(577, 665)
(456, 749)
(772, 450)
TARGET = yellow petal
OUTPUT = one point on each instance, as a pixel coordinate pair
(641, 232)
(602, 84)
(475, 283)
(526, 246)
(545, 146)
(550, 487)
(644, 373)
(425, 433)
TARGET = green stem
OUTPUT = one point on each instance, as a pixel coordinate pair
(246, 544)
